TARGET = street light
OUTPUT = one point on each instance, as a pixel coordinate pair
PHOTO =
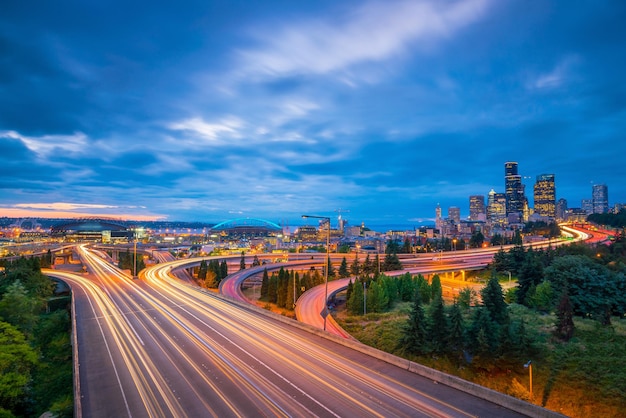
(135, 256)
(325, 311)
(529, 366)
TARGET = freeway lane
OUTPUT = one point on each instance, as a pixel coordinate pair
(176, 351)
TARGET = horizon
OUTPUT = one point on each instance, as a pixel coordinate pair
(380, 108)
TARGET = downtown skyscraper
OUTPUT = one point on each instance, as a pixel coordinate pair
(545, 196)
(600, 198)
(477, 208)
(514, 191)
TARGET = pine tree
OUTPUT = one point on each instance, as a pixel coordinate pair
(564, 318)
(435, 288)
(291, 288)
(484, 337)
(355, 303)
(456, 340)
(367, 267)
(414, 337)
(242, 261)
(355, 267)
(331, 270)
(265, 284)
(438, 324)
(493, 300)
(349, 290)
(223, 270)
(202, 270)
(343, 269)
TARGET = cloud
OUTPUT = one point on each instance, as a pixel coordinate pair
(555, 78)
(62, 206)
(214, 132)
(373, 32)
(48, 144)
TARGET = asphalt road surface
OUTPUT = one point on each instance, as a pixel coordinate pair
(158, 347)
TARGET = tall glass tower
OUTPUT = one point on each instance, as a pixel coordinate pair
(600, 198)
(513, 190)
(545, 196)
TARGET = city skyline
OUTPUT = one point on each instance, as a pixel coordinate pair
(206, 111)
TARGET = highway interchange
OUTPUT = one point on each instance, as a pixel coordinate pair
(159, 346)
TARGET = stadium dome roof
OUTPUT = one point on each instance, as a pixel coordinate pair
(238, 224)
(88, 225)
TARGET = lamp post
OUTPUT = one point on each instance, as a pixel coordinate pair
(509, 275)
(135, 256)
(327, 218)
(529, 366)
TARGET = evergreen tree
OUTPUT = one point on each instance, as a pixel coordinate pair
(438, 325)
(493, 300)
(272, 289)
(424, 289)
(349, 290)
(376, 266)
(367, 268)
(407, 248)
(355, 303)
(530, 273)
(242, 261)
(331, 270)
(477, 239)
(355, 267)
(377, 297)
(291, 288)
(202, 270)
(435, 288)
(414, 336)
(564, 318)
(406, 287)
(265, 284)
(456, 331)
(484, 338)
(343, 269)
(392, 262)
(256, 261)
(223, 270)
(281, 291)
(391, 288)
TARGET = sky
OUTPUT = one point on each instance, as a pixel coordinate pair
(373, 110)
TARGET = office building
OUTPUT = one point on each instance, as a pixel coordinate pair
(514, 191)
(545, 196)
(600, 198)
(454, 214)
(496, 208)
(438, 220)
(587, 206)
(561, 209)
(477, 208)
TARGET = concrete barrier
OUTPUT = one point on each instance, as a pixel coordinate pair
(455, 382)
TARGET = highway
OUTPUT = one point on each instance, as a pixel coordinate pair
(160, 347)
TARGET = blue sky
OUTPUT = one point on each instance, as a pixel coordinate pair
(205, 110)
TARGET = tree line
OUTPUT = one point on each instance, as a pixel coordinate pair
(35, 349)
(210, 275)
(285, 286)
(483, 335)
(591, 281)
